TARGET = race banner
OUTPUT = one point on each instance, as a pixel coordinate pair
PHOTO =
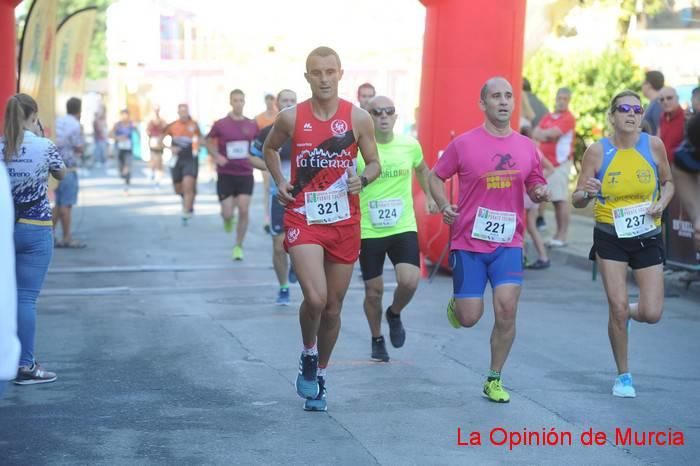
(37, 65)
(73, 39)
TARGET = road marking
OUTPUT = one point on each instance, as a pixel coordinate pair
(125, 290)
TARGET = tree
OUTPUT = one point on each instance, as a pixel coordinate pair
(594, 79)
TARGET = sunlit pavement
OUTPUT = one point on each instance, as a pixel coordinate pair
(167, 352)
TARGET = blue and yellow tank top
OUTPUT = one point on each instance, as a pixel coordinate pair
(628, 177)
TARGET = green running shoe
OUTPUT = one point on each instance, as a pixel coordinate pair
(494, 391)
(228, 225)
(451, 316)
(237, 254)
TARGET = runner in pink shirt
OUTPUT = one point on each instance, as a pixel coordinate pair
(496, 166)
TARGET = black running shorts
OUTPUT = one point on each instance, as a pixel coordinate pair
(234, 185)
(639, 253)
(184, 166)
(401, 248)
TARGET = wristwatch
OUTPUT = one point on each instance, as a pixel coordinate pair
(364, 181)
(586, 195)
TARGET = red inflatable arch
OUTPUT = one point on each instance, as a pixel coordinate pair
(466, 42)
(8, 54)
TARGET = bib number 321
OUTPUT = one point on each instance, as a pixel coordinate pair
(494, 226)
(326, 207)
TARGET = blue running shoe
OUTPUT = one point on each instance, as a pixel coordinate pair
(623, 386)
(283, 297)
(292, 277)
(307, 379)
(318, 403)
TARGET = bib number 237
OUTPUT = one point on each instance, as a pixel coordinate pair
(633, 220)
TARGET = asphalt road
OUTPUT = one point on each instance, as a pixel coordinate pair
(167, 352)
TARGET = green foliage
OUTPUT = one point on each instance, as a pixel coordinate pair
(97, 56)
(594, 80)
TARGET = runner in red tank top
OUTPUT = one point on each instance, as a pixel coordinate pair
(322, 219)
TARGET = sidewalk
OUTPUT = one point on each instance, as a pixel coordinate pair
(579, 244)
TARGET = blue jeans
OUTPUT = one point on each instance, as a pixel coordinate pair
(67, 190)
(100, 150)
(33, 250)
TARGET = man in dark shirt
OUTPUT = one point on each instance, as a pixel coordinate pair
(536, 104)
(653, 83)
(285, 99)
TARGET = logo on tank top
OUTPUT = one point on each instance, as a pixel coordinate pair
(644, 176)
(308, 127)
(292, 235)
(613, 176)
(339, 127)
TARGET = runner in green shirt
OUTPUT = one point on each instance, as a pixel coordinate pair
(389, 225)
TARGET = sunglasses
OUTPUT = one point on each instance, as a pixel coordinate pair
(386, 110)
(625, 108)
(670, 97)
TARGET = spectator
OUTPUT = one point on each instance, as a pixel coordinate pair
(555, 135)
(653, 83)
(267, 117)
(123, 133)
(527, 114)
(686, 174)
(532, 212)
(29, 158)
(672, 124)
(365, 93)
(532, 208)
(695, 101)
(537, 106)
(99, 131)
(9, 344)
(70, 142)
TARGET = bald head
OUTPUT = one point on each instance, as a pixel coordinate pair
(383, 112)
(495, 82)
(497, 102)
(379, 101)
(668, 98)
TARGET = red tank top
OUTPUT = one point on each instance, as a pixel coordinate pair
(322, 153)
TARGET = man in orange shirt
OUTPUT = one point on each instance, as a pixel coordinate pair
(185, 136)
(264, 120)
(267, 117)
(555, 134)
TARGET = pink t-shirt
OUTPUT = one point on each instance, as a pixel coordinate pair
(494, 173)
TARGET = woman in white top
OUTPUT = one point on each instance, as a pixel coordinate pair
(29, 158)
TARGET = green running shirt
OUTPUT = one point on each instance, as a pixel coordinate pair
(387, 203)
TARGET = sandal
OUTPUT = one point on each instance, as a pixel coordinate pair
(70, 245)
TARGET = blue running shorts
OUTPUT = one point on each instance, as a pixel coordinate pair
(471, 270)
